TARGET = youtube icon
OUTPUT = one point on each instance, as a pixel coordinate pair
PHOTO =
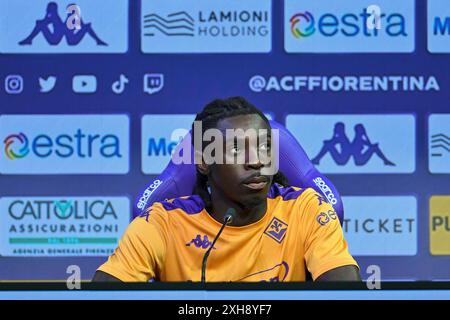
(84, 84)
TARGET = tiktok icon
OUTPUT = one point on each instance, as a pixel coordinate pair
(118, 87)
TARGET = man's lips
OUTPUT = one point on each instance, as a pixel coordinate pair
(256, 182)
(256, 185)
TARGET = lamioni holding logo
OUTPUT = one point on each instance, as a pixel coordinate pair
(64, 144)
(206, 26)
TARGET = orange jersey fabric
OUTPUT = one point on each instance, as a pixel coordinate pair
(299, 232)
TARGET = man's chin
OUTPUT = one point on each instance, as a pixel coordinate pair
(255, 199)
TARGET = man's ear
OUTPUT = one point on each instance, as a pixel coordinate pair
(202, 167)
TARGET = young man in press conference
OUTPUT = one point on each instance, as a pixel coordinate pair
(265, 230)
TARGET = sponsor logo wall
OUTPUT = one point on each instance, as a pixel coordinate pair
(329, 26)
(64, 144)
(95, 98)
(439, 143)
(160, 137)
(44, 26)
(189, 26)
(438, 26)
(61, 226)
(439, 225)
(357, 143)
(381, 225)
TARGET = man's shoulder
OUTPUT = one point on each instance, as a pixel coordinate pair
(304, 199)
(288, 193)
(189, 205)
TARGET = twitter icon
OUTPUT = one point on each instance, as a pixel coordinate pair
(48, 84)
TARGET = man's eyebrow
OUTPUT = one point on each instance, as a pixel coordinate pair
(260, 132)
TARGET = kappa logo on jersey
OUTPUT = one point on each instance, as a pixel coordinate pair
(200, 243)
(146, 214)
(321, 199)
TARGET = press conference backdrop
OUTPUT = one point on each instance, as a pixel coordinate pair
(96, 94)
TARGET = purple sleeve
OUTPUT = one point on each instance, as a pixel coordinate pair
(179, 179)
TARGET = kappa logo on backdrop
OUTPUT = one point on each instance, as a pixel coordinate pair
(63, 26)
(54, 29)
(354, 144)
(341, 149)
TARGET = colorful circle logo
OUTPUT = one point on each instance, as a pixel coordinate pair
(323, 218)
(10, 140)
(305, 32)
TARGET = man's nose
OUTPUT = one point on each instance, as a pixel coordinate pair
(252, 160)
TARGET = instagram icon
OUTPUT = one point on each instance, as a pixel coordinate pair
(14, 84)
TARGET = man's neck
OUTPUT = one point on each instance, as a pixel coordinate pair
(245, 215)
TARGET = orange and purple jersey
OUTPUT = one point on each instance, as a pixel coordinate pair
(299, 232)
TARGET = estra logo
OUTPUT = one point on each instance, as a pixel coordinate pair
(53, 144)
(350, 26)
(16, 139)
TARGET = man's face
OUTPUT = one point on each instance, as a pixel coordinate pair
(242, 183)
